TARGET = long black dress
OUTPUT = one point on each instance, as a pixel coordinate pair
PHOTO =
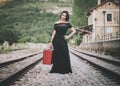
(61, 58)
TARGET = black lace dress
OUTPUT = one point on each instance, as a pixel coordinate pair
(61, 58)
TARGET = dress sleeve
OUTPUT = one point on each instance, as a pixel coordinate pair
(69, 25)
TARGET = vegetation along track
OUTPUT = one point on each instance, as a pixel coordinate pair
(9, 71)
(109, 67)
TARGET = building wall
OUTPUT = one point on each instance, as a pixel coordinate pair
(111, 47)
(101, 29)
(90, 19)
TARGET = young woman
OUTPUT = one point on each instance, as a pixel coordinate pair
(61, 58)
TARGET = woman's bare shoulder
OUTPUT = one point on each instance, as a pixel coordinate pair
(57, 22)
(60, 22)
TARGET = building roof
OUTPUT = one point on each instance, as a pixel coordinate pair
(85, 30)
(112, 1)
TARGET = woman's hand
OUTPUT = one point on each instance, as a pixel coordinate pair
(51, 45)
(71, 34)
(66, 37)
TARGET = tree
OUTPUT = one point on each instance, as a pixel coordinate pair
(80, 9)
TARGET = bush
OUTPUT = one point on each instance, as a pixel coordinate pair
(76, 40)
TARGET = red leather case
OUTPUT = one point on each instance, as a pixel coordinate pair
(47, 56)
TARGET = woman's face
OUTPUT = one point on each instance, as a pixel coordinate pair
(63, 16)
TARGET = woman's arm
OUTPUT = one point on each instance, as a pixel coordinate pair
(53, 34)
(73, 31)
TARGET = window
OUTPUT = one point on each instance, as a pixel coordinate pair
(109, 17)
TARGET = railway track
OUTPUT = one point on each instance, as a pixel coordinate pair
(16, 60)
(31, 72)
(84, 74)
(109, 60)
(11, 70)
(110, 67)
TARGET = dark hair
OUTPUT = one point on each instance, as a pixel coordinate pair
(67, 15)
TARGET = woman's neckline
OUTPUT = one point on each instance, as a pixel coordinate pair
(61, 22)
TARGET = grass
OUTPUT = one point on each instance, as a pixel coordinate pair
(14, 47)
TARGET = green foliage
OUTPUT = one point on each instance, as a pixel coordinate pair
(65, 4)
(26, 22)
(76, 40)
(80, 10)
(9, 35)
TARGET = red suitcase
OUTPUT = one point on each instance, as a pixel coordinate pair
(47, 56)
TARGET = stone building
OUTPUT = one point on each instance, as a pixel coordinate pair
(104, 19)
